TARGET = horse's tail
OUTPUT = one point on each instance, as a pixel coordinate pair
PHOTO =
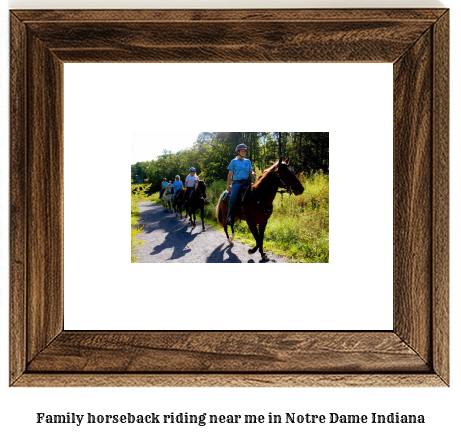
(220, 215)
(219, 212)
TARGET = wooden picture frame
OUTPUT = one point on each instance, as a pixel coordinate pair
(414, 353)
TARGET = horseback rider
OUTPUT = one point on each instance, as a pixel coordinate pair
(240, 170)
(163, 186)
(177, 185)
(191, 184)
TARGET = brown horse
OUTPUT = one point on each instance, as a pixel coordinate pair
(256, 206)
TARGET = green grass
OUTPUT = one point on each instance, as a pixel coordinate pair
(299, 226)
(138, 193)
(155, 198)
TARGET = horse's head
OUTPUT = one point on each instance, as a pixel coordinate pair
(202, 188)
(287, 178)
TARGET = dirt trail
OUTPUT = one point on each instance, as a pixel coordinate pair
(171, 239)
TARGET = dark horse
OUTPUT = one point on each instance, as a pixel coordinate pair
(197, 200)
(256, 207)
(177, 203)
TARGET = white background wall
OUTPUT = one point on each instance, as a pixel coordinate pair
(19, 406)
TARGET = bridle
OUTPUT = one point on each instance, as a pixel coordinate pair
(288, 189)
(201, 193)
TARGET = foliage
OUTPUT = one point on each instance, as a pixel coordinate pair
(138, 193)
(212, 152)
(299, 225)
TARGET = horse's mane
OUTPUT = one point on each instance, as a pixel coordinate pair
(264, 175)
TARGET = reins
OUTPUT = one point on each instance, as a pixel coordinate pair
(280, 183)
(201, 194)
(288, 189)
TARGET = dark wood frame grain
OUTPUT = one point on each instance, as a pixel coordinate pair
(414, 353)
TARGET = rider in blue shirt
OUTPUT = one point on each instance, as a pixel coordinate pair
(240, 170)
(177, 185)
(162, 190)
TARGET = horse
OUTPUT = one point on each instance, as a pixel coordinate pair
(256, 206)
(197, 200)
(167, 199)
(177, 203)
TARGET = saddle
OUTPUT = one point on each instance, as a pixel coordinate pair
(247, 191)
(243, 190)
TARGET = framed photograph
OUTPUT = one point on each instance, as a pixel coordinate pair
(415, 352)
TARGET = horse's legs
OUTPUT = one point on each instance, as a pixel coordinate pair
(202, 212)
(192, 217)
(227, 234)
(229, 239)
(232, 236)
(254, 231)
(262, 228)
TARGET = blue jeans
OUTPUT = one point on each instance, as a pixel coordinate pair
(235, 190)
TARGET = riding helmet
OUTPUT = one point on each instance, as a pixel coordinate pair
(192, 169)
(177, 177)
(241, 147)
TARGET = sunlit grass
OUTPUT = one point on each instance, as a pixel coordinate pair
(138, 193)
(299, 226)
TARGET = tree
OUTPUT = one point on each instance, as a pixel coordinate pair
(212, 151)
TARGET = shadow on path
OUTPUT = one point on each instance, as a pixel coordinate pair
(178, 231)
(168, 238)
(178, 240)
(217, 256)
